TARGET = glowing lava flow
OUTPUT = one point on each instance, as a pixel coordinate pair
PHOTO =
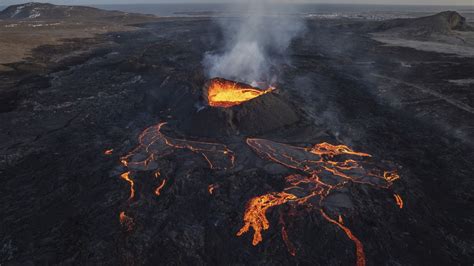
(359, 247)
(160, 187)
(126, 177)
(225, 93)
(211, 188)
(154, 145)
(255, 213)
(326, 167)
(398, 200)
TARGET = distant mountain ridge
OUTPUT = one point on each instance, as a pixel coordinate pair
(45, 11)
(442, 23)
(446, 32)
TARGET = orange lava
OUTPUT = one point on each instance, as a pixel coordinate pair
(160, 187)
(391, 176)
(154, 145)
(255, 213)
(109, 152)
(225, 93)
(211, 188)
(360, 254)
(333, 150)
(126, 177)
(126, 221)
(326, 168)
(398, 200)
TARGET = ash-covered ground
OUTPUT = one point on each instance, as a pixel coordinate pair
(62, 195)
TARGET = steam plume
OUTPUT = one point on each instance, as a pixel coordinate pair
(254, 49)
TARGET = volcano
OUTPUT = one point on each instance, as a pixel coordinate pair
(238, 108)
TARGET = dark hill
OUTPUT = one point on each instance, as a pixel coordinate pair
(46, 11)
(442, 23)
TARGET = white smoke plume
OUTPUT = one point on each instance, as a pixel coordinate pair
(254, 49)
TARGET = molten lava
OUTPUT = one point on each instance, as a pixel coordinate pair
(255, 213)
(126, 221)
(211, 188)
(321, 170)
(326, 168)
(225, 93)
(360, 254)
(160, 187)
(126, 177)
(398, 200)
(153, 146)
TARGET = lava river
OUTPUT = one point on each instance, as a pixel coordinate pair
(319, 171)
(326, 168)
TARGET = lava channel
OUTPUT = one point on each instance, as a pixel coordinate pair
(326, 167)
(154, 145)
(225, 93)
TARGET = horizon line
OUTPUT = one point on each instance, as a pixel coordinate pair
(213, 3)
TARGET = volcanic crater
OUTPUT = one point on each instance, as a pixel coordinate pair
(233, 108)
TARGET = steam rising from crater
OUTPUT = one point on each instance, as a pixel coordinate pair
(256, 47)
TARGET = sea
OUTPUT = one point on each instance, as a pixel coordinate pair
(363, 11)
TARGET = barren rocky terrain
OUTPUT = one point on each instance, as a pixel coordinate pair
(25, 27)
(71, 111)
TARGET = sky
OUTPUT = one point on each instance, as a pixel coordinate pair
(398, 2)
